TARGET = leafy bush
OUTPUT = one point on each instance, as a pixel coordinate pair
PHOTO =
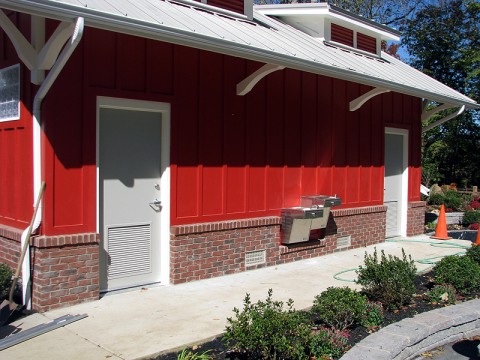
(474, 226)
(442, 294)
(328, 343)
(475, 204)
(6, 277)
(462, 272)
(389, 280)
(453, 200)
(340, 308)
(373, 316)
(474, 253)
(436, 199)
(471, 217)
(265, 330)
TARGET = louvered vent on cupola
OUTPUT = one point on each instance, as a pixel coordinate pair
(333, 26)
(355, 39)
(342, 35)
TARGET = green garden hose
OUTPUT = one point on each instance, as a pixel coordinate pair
(427, 261)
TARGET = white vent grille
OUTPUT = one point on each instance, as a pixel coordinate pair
(344, 241)
(257, 257)
(129, 250)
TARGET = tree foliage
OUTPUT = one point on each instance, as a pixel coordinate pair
(443, 40)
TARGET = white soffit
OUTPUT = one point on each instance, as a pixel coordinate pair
(266, 40)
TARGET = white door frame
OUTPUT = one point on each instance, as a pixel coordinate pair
(404, 196)
(164, 109)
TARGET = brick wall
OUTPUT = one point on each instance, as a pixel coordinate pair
(10, 246)
(416, 218)
(209, 250)
(65, 269)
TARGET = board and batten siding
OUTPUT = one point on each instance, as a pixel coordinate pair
(232, 156)
(16, 199)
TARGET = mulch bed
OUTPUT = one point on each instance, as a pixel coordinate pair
(217, 350)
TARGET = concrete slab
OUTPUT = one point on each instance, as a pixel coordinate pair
(145, 322)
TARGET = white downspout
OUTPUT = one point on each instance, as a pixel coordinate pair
(37, 149)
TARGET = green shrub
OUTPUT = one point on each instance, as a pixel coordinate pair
(264, 330)
(187, 354)
(471, 217)
(453, 200)
(474, 253)
(461, 272)
(340, 307)
(6, 277)
(373, 316)
(442, 294)
(328, 343)
(436, 199)
(389, 280)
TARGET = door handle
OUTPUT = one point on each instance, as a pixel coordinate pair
(155, 202)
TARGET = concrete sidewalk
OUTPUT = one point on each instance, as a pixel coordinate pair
(145, 322)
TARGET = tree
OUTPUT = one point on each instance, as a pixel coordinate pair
(443, 41)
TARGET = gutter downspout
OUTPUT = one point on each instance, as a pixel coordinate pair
(37, 148)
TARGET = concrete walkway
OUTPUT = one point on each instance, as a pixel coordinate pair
(145, 322)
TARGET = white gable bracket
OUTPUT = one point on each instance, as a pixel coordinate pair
(247, 84)
(429, 113)
(44, 58)
(24, 49)
(444, 119)
(362, 99)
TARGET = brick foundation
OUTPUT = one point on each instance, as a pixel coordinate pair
(209, 250)
(65, 269)
(416, 218)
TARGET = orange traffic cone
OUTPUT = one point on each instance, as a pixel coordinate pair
(477, 242)
(441, 229)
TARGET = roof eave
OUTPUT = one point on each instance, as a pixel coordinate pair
(158, 32)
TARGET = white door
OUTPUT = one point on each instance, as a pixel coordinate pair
(129, 188)
(395, 183)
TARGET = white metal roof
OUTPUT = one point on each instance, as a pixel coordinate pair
(265, 39)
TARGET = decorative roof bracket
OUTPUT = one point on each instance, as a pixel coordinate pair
(444, 119)
(362, 99)
(247, 84)
(429, 113)
(41, 59)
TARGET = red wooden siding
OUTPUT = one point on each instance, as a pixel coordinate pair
(231, 156)
(366, 43)
(233, 5)
(341, 35)
(16, 186)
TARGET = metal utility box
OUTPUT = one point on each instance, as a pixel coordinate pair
(297, 222)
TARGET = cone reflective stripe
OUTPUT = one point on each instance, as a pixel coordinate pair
(477, 242)
(441, 229)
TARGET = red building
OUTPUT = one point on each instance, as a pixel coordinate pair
(171, 134)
